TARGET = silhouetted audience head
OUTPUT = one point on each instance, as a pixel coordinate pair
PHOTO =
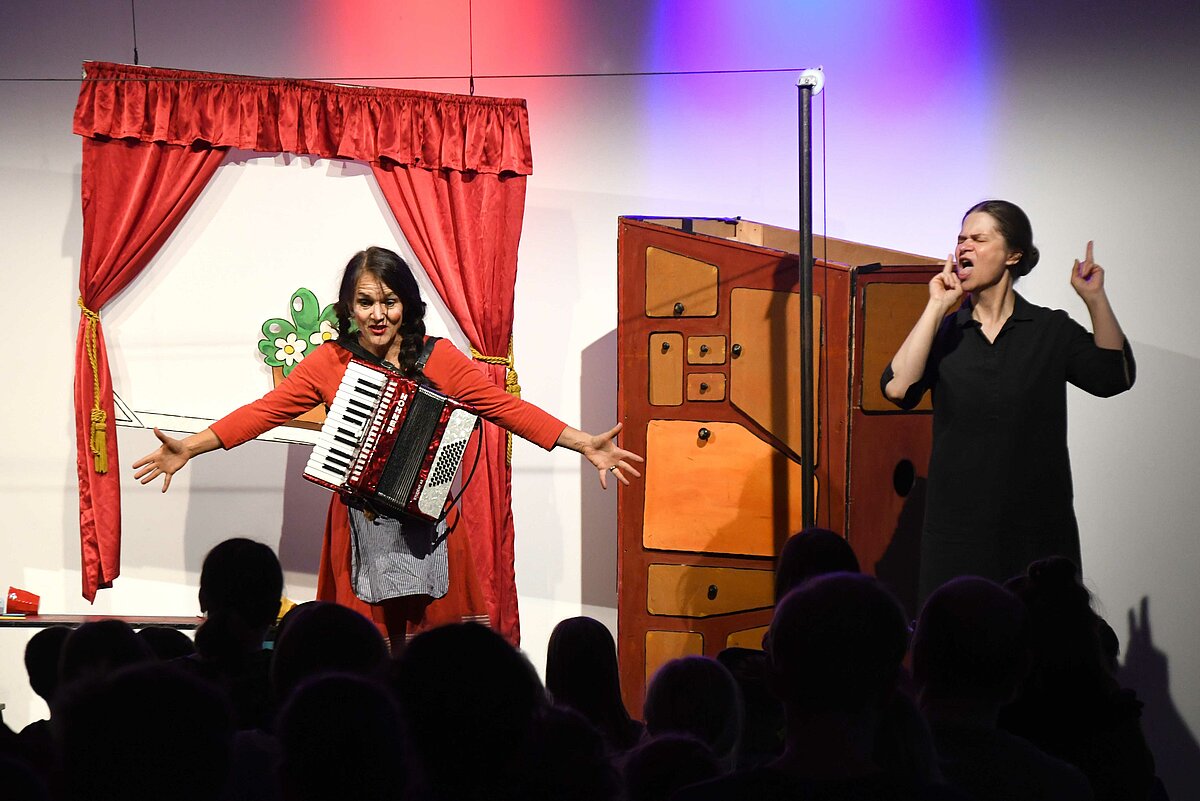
(762, 729)
(20, 782)
(1064, 629)
(148, 731)
(241, 585)
(1070, 705)
(570, 759)
(321, 637)
(658, 766)
(468, 695)
(1110, 645)
(581, 673)
(836, 645)
(341, 737)
(167, 643)
(812, 552)
(972, 641)
(100, 647)
(698, 696)
(42, 655)
(904, 747)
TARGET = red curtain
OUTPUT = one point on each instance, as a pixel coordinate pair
(134, 194)
(153, 138)
(465, 229)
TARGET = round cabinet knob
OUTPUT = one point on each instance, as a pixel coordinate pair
(678, 309)
(703, 386)
(712, 592)
(666, 346)
(703, 349)
(704, 434)
(736, 350)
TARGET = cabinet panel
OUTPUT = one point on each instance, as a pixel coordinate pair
(665, 358)
(764, 381)
(717, 488)
(663, 646)
(706, 350)
(692, 591)
(706, 387)
(679, 286)
(747, 638)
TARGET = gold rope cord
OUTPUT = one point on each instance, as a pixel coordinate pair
(511, 384)
(99, 436)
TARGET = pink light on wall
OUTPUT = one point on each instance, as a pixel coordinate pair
(372, 38)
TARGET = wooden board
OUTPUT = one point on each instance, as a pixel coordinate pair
(764, 381)
(727, 493)
(663, 646)
(694, 591)
(679, 286)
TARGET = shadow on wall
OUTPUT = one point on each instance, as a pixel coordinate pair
(1146, 671)
(900, 566)
(598, 509)
(305, 507)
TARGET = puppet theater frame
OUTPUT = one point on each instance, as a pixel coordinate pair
(451, 168)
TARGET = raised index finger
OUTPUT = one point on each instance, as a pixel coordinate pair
(1088, 256)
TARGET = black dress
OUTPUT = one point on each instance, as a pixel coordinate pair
(1000, 493)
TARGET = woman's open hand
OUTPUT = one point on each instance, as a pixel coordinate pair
(603, 452)
(172, 455)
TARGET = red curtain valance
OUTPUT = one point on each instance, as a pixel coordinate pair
(422, 129)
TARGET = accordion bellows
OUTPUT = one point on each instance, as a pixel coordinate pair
(391, 445)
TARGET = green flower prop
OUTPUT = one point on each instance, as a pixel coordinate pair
(285, 343)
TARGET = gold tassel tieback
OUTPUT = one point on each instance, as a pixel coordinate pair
(511, 384)
(99, 434)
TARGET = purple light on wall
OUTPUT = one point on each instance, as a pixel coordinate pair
(899, 77)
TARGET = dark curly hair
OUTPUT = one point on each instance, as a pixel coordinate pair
(1013, 225)
(395, 274)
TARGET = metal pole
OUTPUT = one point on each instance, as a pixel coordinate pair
(809, 84)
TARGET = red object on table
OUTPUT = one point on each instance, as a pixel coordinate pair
(21, 602)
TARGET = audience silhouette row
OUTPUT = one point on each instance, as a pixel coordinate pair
(996, 693)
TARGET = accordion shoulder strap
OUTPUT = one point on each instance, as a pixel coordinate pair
(426, 352)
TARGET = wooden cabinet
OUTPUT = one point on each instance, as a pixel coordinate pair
(708, 349)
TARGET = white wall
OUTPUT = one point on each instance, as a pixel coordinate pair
(1086, 116)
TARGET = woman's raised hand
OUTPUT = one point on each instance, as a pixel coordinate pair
(1087, 277)
(945, 288)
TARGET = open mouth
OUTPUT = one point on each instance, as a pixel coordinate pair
(964, 267)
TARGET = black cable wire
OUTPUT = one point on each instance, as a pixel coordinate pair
(471, 43)
(133, 14)
(362, 78)
(825, 279)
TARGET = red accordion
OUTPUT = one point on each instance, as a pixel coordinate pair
(390, 444)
